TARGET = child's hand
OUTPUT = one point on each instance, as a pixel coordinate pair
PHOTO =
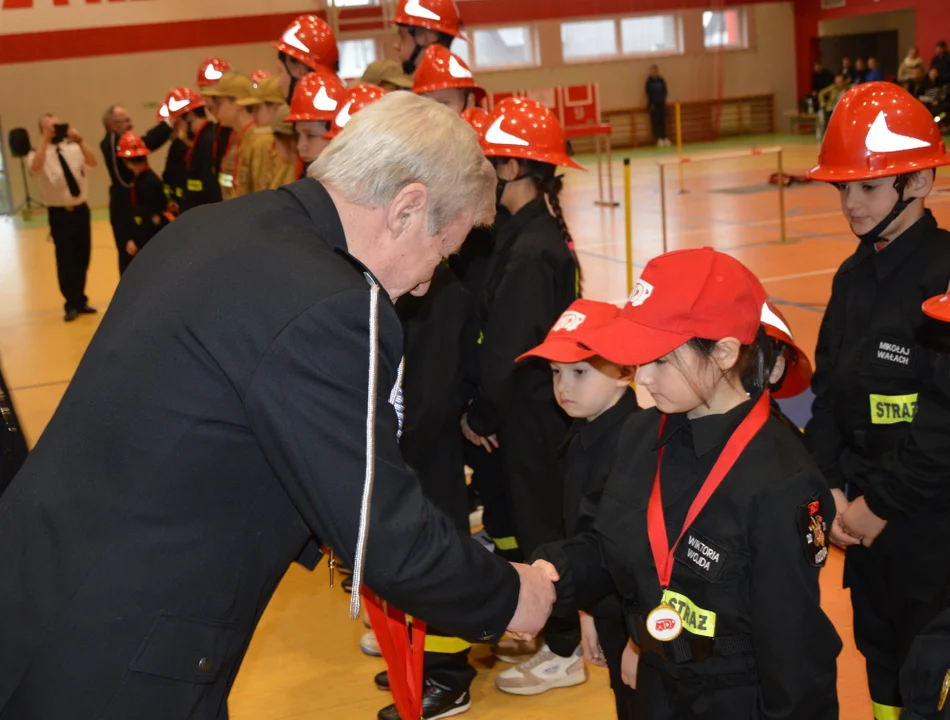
(629, 662)
(131, 248)
(590, 642)
(490, 443)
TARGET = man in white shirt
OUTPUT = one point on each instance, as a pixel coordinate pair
(61, 164)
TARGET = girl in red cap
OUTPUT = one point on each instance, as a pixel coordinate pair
(530, 279)
(596, 393)
(875, 360)
(713, 523)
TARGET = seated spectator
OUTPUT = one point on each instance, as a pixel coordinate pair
(821, 78)
(934, 95)
(828, 99)
(873, 74)
(860, 72)
(909, 66)
(915, 86)
(847, 71)
(941, 63)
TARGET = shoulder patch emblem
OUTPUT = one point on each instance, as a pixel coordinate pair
(813, 529)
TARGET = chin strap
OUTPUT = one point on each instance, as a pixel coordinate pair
(873, 235)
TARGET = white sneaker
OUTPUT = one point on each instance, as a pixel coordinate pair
(513, 651)
(545, 671)
(370, 645)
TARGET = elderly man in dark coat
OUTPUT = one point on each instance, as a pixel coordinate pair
(237, 409)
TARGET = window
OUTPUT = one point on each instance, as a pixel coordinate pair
(615, 37)
(588, 39)
(355, 55)
(651, 34)
(501, 47)
(724, 29)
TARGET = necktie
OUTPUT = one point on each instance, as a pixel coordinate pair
(70, 178)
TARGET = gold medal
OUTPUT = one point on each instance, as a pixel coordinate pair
(664, 623)
(944, 691)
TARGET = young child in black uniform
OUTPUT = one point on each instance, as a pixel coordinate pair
(876, 362)
(530, 279)
(598, 395)
(186, 110)
(148, 193)
(717, 562)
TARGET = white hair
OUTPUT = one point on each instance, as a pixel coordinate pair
(403, 139)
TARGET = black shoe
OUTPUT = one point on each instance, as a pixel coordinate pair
(436, 703)
(347, 584)
(71, 315)
(87, 310)
(382, 681)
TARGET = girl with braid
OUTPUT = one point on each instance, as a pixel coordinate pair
(531, 278)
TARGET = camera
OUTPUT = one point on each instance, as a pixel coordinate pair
(59, 132)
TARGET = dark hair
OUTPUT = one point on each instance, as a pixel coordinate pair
(753, 366)
(284, 57)
(550, 184)
(942, 44)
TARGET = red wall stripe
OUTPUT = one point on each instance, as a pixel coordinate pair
(123, 40)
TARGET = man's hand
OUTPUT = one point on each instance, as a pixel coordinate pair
(535, 599)
(131, 248)
(590, 643)
(860, 522)
(629, 662)
(73, 135)
(489, 443)
(840, 536)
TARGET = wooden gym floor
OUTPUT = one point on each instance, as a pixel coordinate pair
(304, 661)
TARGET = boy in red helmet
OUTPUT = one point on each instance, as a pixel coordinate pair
(876, 356)
(211, 141)
(148, 194)
(308, 44)
(421, 24)
(317, 99)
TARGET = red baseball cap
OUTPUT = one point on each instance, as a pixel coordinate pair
(685, 294)
(564, 340)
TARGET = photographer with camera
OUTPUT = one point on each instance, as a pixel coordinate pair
(61, 161)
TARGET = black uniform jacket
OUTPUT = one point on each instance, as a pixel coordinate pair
(438, 327)
(203, 162)
(530, 280)
(216, 425)
(925, 674)
(121, 177)
(746, 571)
(149, 205)
(175, 174)
(588, 458)
(876, 363)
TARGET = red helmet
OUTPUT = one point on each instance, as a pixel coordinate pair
(259, 75)
(938, 307)
(178, 102)
(211, 70)
(440, 15)
(878, 130)
(131, 146)
(798, 370)
(477, 118)
(526, 129)
(310, 40)
(360, 96)
(318, 96)
(440, 69)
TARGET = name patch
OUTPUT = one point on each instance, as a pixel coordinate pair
(701, 555)
(891, 409)
(893, 354)
(697, 620)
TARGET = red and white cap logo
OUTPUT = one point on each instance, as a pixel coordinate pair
(641, 292)
(881, 139)
(569, 321)
(290, 37)
(415, 8)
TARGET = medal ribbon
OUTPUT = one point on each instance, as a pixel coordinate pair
(656, 522)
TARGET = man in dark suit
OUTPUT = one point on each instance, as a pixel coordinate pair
(13, 449)
(117, 122)
(237, 409)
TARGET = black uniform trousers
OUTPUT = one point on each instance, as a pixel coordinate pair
(658, 121)
(926, 668)
(72, 237)
(122, 219)
(613, 638)
(892, 584)
(489, 479)
(660, 696)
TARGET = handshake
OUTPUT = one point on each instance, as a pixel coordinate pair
(535, 600)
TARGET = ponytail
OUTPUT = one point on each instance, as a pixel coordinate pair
(551, 184)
